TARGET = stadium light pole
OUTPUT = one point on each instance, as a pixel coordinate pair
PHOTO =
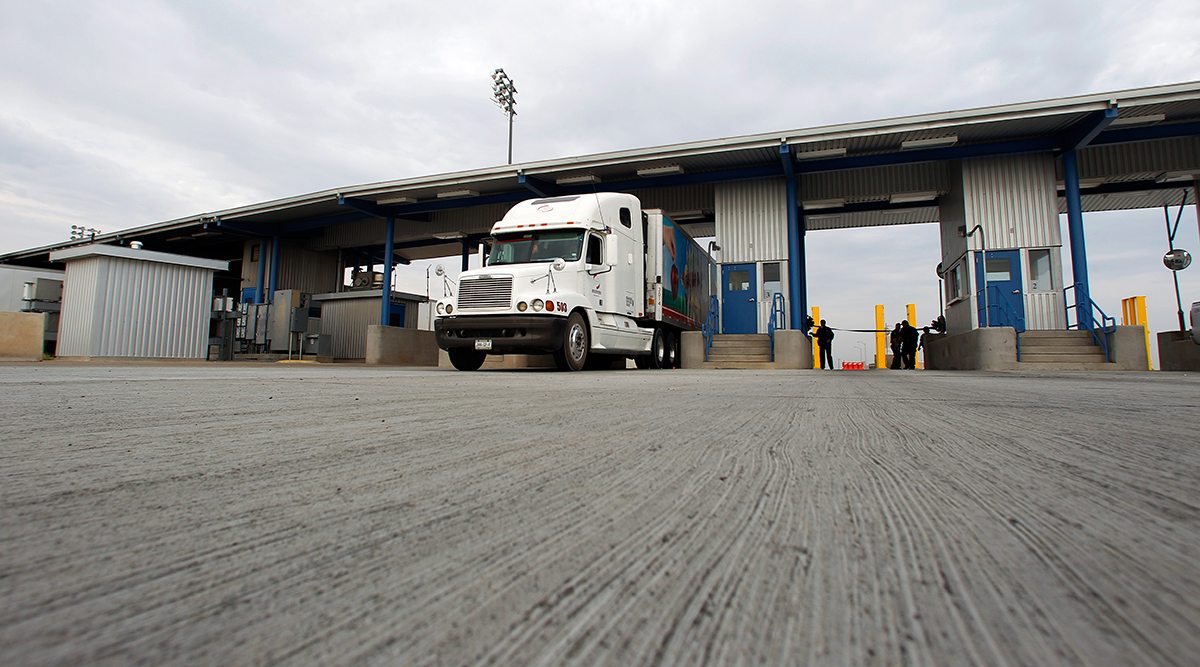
(504, 94)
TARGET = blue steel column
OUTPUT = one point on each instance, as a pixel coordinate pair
(274, 267)
(389, 247)
(260, 296)
(795, 228)
(1083, 311)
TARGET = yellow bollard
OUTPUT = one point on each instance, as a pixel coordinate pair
(1133, 313)
(880, 339)
(912, 322)
(816, 349)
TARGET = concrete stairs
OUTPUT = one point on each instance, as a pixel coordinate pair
(1061, 351)
(749, 351)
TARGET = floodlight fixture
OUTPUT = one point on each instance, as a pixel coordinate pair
(504, 95)
(80, 232)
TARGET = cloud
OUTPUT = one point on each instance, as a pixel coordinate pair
(130, 112)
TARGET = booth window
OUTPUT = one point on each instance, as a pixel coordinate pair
(1039, 270)
(954, 283)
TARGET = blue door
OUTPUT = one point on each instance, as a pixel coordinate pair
(1004, 305)
(739, 311)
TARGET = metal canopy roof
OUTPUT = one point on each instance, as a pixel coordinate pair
(1169, 113)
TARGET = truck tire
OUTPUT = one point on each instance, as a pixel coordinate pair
(662, 352)
(466, 360)
(573, 354)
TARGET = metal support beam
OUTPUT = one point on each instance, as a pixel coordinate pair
(797, 278)
(260, 295)
(388, 251)
(466, 254)
(274, 268)
(1082, 133)
(1132, 134)
(1083, 310)
(539, 187)
(367, 206)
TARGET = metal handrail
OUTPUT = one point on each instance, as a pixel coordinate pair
(777, 315)
(1107, 324)
(710, 324)
(1003, 306)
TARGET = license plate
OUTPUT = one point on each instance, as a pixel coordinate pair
(483, 344)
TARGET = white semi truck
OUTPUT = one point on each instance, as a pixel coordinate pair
(581, 277)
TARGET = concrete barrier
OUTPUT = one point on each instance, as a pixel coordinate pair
(692, 352)
(1177, 352)
(793, 349)
(1127, 348)
(22, 336)
(397, 346)
(990, 349)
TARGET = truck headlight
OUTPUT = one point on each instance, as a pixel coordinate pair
(537, 305)
(522, 306)
(449, 308)
(441, 308)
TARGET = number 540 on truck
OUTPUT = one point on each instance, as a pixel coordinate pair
(589, 279)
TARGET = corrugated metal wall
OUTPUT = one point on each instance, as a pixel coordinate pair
(876, 183)
(136, 309)
(306, 270)
(351, 235)
(1044, 311)
(696, 197)
(473, 220)
(78, 306)
(346, 322)
(816, 221)
(1014, 198)
(752, 220)
(1143, 160)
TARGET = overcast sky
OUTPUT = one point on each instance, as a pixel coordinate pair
(128, 112)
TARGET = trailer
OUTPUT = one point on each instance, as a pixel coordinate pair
(589, 279)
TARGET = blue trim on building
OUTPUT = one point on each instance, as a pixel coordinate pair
(389, 251)
(797, 275)
(1079, 270)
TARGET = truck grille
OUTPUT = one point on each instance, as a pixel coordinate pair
(486, 292)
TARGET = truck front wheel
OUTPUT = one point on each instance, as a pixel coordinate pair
(574, 351)
(466, 360)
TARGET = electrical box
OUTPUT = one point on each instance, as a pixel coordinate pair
(318, 344)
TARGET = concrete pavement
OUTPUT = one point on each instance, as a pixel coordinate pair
(227, 514)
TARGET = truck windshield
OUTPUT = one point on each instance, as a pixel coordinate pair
(536, 247)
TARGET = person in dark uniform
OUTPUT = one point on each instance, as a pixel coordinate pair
(825, 344)
(908, 344)
(895, 341)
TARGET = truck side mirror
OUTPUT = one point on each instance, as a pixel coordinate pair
(613, 251)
